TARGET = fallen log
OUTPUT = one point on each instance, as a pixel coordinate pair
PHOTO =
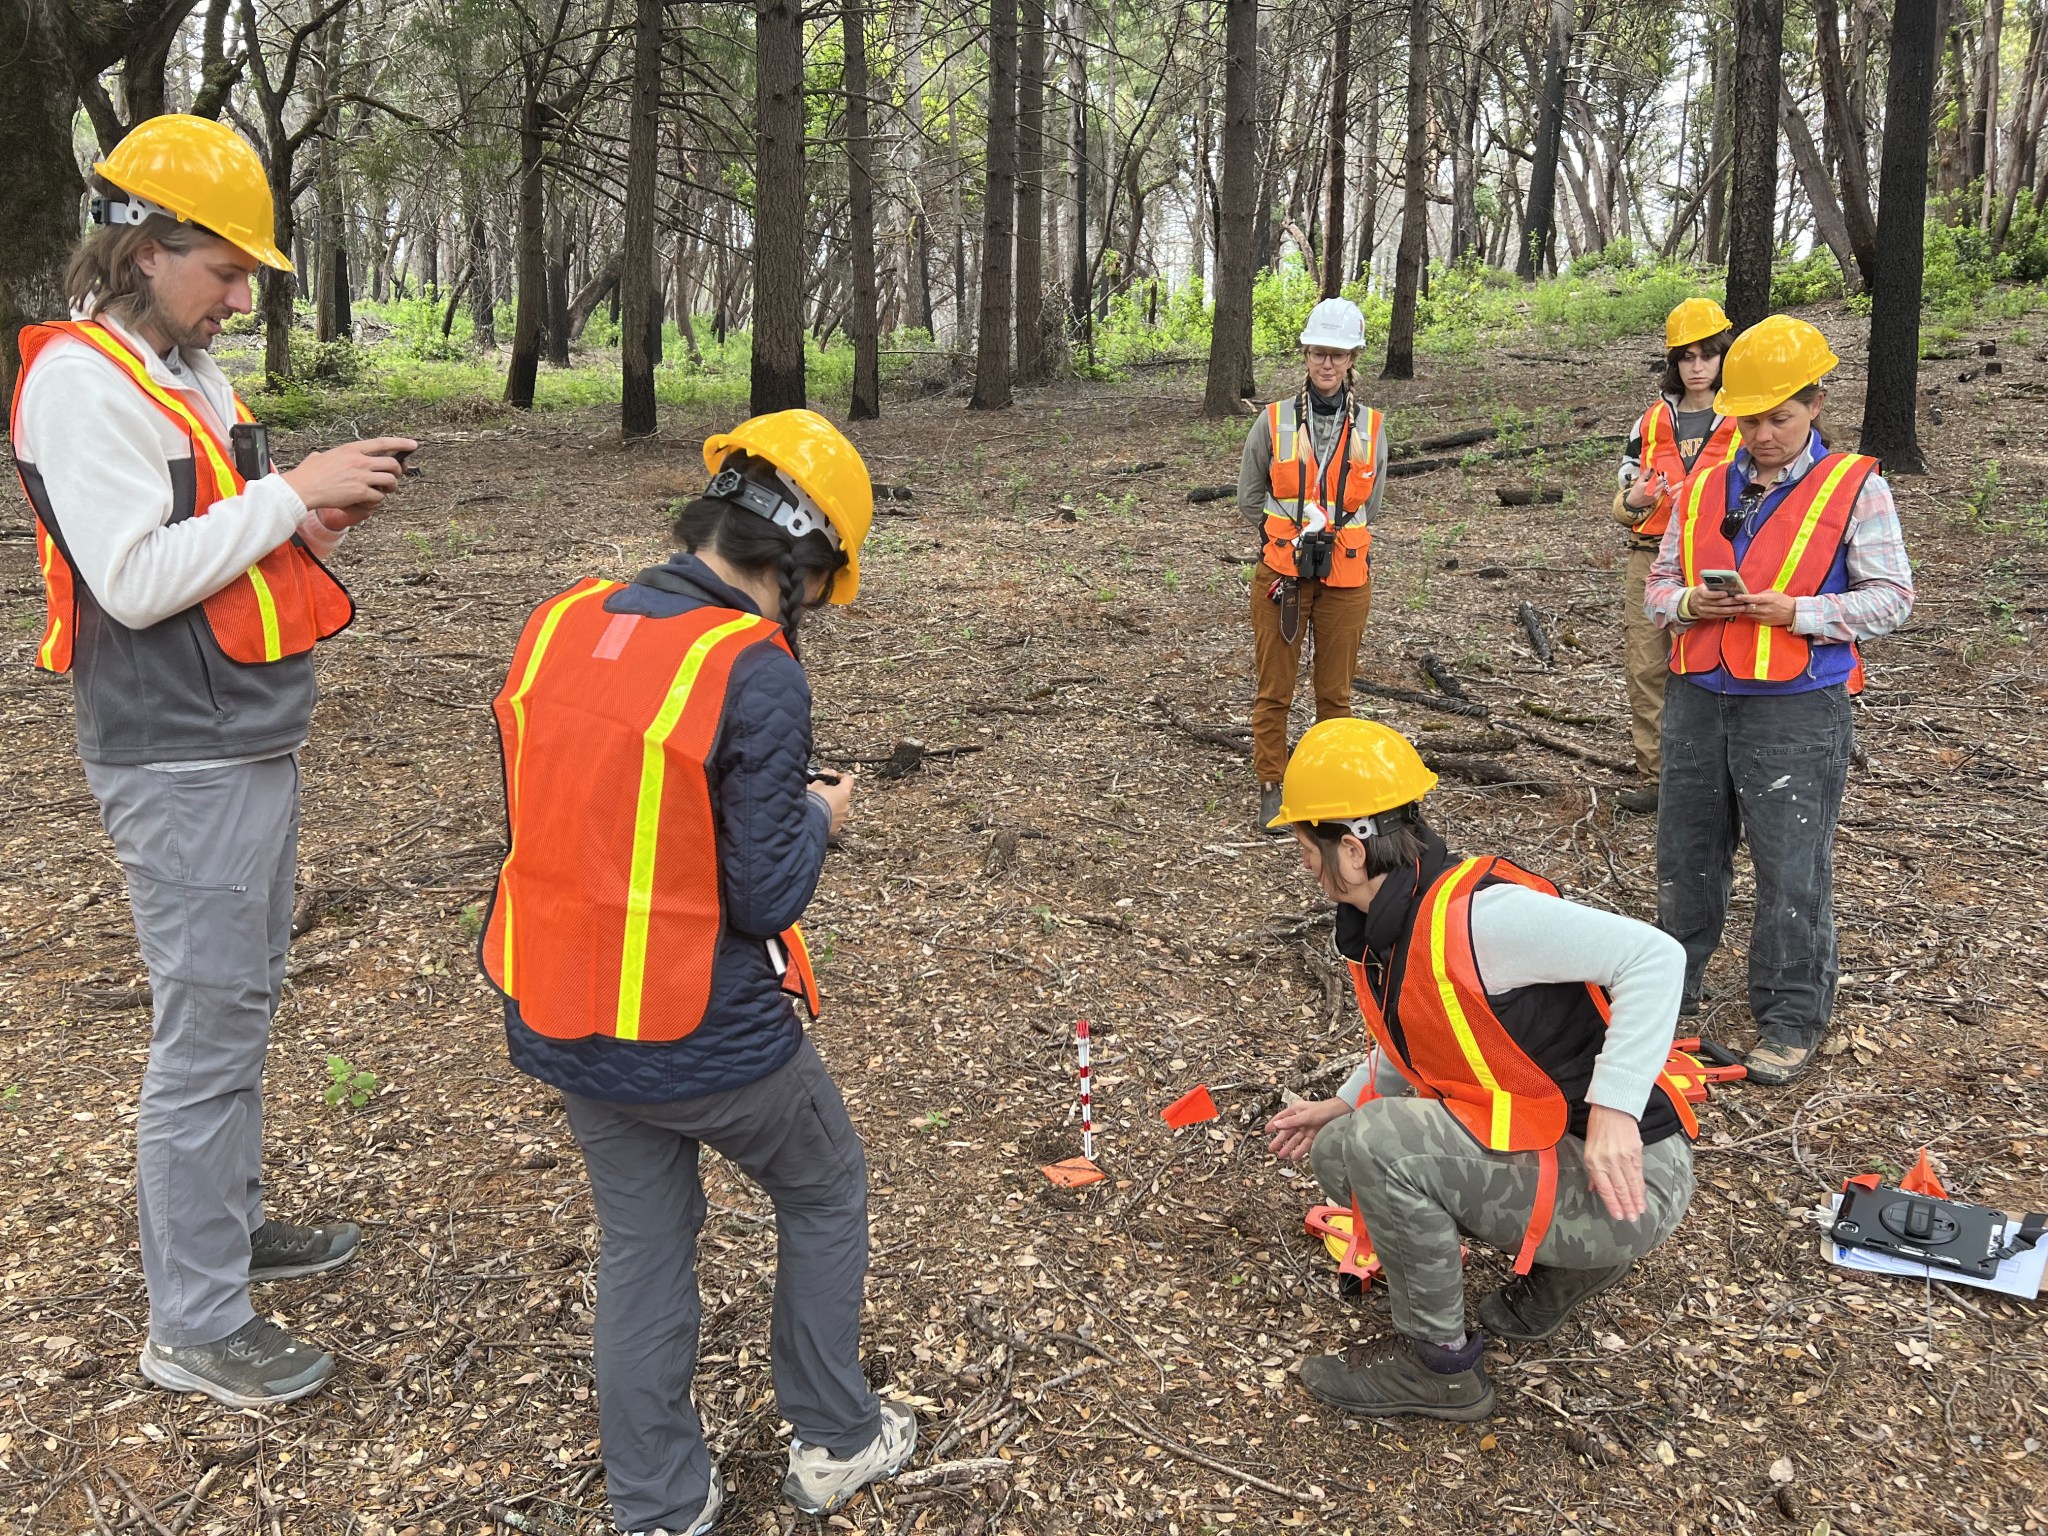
(1143, 467)
(1448, 706)
(1441, 675)
(1539, 642)
(1230, 738)
(1527, 496)
(1401, 470)
(1481, 770)
(1202, 493)
(1551, 712)
(1567, 748)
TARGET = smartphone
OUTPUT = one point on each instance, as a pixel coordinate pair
(1727, 583)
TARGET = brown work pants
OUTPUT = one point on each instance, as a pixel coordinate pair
(1335, 617)
(1649, 662)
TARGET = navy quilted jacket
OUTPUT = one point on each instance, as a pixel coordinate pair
(771, 846)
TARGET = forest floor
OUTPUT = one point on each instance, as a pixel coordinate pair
(1048, 618)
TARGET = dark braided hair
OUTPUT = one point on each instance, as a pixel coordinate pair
(757, 546)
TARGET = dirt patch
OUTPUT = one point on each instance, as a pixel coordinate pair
(1125, 1352)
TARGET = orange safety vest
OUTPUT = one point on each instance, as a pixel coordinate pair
(278, 607)
(1792, 552)
(1458, 1051)
(1341, 487)
(606, 915)
(1658, 434)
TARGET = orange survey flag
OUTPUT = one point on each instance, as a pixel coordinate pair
(1921, 1179)
(1191, 1108)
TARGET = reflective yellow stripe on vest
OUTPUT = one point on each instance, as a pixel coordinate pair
(1797, 552)
(47, 656)
(517, 704)
(647, 821)
(224, 475)
(1454, 1010)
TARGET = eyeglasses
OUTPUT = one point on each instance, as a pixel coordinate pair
(1744, 509)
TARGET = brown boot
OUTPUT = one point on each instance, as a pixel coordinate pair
(1774, 1061)
(1398, 1375)
(1535, 1305)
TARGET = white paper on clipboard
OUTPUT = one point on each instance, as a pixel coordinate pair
(2019, 1275)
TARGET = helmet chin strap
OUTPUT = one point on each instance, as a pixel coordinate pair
(784, 504)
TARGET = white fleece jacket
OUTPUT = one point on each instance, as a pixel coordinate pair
(104, 452)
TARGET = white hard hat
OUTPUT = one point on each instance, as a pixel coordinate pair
(1335, 323)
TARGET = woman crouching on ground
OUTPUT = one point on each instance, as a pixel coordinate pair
(665, 837)
(1507, 1103)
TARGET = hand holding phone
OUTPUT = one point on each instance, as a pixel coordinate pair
(1726, 583)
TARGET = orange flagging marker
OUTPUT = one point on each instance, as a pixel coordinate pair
(1191, 1108)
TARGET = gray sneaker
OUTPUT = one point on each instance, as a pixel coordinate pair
(278, 1250)
(1269, 807)
(259, 1365)
(819, 1482)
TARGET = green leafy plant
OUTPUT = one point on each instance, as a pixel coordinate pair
(10, 1098)
(471, 920)
(933, 1121)
(348, 1084)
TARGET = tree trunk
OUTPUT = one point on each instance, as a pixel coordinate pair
(1759, 41)
(1892, 395)
(998, 214)
(43, 187)
(1333, 203)
(483, 291)
(1369, 203)
(1230, 336)
(866, 403)
(1828, 222)
(1984, 109)
(639, 310)
(1539, 223)
(1846, 140)
(558, 329)
(1414, 251)
(1031, 361)
(2027, 110)
(1075, 25)
(1720, 155)
(529, 257)
(779, 243)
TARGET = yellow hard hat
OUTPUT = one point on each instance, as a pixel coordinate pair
(206, 174)
(1343, 769)
(825, 467)
(1694, 320)
(1770, 363)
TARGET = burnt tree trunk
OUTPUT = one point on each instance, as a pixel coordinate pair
(1414, 250)
(998, 214)
(1340, 112)
(1714, 234)
(1031, 362)
(865, 321)
(639, 299)
(779, 247)
(1230, 337)
(1890, 429)
(1845, 138)
(1539, 222)
(1759, 39)
(529, 258)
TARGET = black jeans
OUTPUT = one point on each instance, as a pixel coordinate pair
(1770, 768)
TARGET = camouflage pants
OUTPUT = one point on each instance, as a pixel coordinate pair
(1420, 1181)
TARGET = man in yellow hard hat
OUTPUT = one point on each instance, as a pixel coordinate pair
(1516, 1092)
(1776, 565)
(185, 591)
(1681, 431)
(666, 833)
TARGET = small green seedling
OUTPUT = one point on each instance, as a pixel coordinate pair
(933, 1121)
(346, 1084)
(472, 920)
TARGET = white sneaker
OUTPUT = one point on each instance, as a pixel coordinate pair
(714, 1501)
(819, 1482)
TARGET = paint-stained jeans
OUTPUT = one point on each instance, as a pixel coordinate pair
(1420, 1180)
(1768, 769)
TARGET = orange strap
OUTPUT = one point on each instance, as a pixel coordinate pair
(1541, 1213)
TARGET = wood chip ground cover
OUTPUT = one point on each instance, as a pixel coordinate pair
(1116, 1359)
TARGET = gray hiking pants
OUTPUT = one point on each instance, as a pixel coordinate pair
(1421, 1180)
(790, 1134)
(1770, 769)
(210, 856)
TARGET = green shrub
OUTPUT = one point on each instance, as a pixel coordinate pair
(1813, 280)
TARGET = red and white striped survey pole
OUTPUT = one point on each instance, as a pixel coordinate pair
(1087, 1096)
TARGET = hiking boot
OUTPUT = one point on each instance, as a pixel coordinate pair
(1398, 1375)
(1535, 1305)
(819, 1482)
(278, 1250)
(1774, 1061)
(707, 1517)
(259, 1365)
(1638, 799)
(1269, 807)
